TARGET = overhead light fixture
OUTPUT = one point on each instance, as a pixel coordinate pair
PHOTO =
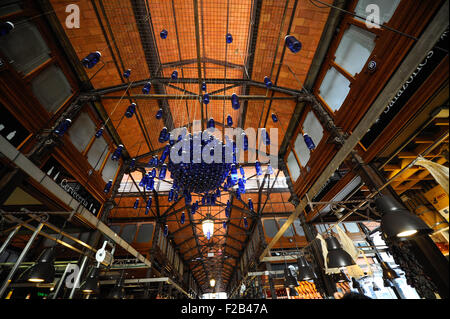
(305, 271)
(91, 285)
(337, 257)
(212, 282)
(289, 279)
(388, 272)
(43, 270)
(208, 228)
(397, 221)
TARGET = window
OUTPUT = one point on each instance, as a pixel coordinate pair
(128, 233)
(352, 227)
(289, 232)
(334, 89)
(354, 49)
(97, 153)
(110, 169)
(294, 169)
(51, 88)
(313, 128)
(24, 46)
(301, 150)
(298, 228)
(82, 131)
(270, 227)
(145, 233)
(387, 9)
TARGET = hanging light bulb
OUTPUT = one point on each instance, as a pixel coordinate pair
(159, 114)
(136, 204)
(108, 186)
(43, 270)
(6, 27)
(235, 101)
(146, 88)
(130, 110)
(127, 74)
(397, 221)
(206, 98)
(99, 132)
(309, 142)
(204, 86)
(182, 218)
(63, 127)
(229, 120)
(208, 228)
(341, 277)
(174, 75)
(292, 43)
(91, 60)
(337, 257)
(117, 153)
(163, 34)
(388, 272)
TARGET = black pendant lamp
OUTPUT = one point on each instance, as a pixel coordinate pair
(388, 272)
(293, 292)
(118, 292)
(337, 257)
(44, 270)
(341, 277)
(91, 285)
(305, 271)
(289, 280)
(355, 284)
(397, 221)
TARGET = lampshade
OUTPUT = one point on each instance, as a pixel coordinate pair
(118, 292)
(91, 285)
(208, 227)
(43, 270)
(337, 257)
(388, 272)
(341, 277)
(397, 221)
(355, 283)
(212, 282)
(305, 271)
(290, 281)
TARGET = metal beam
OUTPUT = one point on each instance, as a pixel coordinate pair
(179, 97)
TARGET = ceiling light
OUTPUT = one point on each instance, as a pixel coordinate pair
(388, 272)
(337, 257)
(212, 282)
(208, 228)
(43, 270)
(305, 271)
(397, 221)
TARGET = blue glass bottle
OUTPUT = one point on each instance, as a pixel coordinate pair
(206, 98)
(163, 171)
(91, 59)
(153, 173)
(309, 142)
(266, 79)
(163, 34)
(170, 196)
(130, 110)
(245, 222)
(108, 186)
(132, 163)
(117, 153)
(204, 86)
(245, 147)
(238, 193)
(166, 230)
(224, 225)
(229, 38)
(182, 218)
(136, 204)
(193, 209)
(235, 101)
(208, 235)
(229, 120)
(174, 75)
(292, 43)
(258, 168)
(146, 88)
(250, 204)
(233, 173)
(274, 118)
(6, 27)
(99, 132)
(227, 212)
(159, 114)
(63, 127)
(127, 74)
(150, 183)
(149, 202)
(270, 169)
(162, 135)
(211, 123)
(242, 171)
(147, 209)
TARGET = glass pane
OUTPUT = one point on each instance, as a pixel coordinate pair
(289, 232)
(270, 227)
(313, 128)
(298, 228)
(352, 227)
(354, 49)
(97, 153)
(82, 132)
(302, 150)
(24, 47)
(110, 169)
(51, 88)
(145, 233)
(128, 232)
(334, 89)
(8, 7)
(294, 169)
(387, 9)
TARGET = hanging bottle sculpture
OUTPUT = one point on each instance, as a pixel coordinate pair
(130, 110)
(91, 59)
(245, 222)
(63, 127)
(204, 86)
(292, 43)
(163, 34)
(162, 135)
(211, 123)
(182, 218)
(258, 168)
(229, 120)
